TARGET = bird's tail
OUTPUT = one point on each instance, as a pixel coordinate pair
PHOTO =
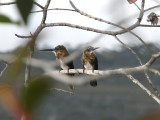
(93, 83)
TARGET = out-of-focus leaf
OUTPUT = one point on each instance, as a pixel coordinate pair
(15, 68)
(36, 90)
(11, 103)
(24, 7)
(6, 19)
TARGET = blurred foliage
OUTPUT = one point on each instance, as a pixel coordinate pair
(15, 67)
(11, 103)
(154, 115)
(5, 19)
(24, 7)
(36, 90)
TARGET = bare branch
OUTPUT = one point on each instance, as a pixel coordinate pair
(151, 8)
(137, 6)
(143, 25)
(61, 90)
(20, 36)
(141, 11)
(8, 3)
(153, 59)
(132, 51)
(54, 9)
(45, 12)
(6, 65)
(140, 62)
(156, 72)
(105, 21)
(39, 5)
(143, 88)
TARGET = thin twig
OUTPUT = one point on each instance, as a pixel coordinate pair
(54, 9)
(156, 72)
(6, 65)
(62, 90)
(8, 3)
(137, 6)
(39, 5)
(21, 36)
(151, 8)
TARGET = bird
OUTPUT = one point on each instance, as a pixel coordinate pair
(90, 61)
(61, 52)
(153, 18)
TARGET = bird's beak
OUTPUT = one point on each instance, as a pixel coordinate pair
(47, 50)
(95, 48)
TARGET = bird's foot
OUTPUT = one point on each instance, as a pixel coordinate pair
(83, 70)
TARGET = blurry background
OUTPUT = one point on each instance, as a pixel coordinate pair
(115, 98)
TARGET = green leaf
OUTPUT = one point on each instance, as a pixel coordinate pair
(24, 7)
(33, 94)
(6, 19)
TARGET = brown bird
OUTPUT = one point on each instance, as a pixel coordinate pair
(61, 52)
(90, 61)
(153, 18)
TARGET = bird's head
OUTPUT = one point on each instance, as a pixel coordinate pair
(90, 49)
(59, 51)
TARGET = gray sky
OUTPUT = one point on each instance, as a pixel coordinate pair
(113, 10)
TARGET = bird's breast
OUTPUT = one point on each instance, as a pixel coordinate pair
(63, 65)
(88, 66)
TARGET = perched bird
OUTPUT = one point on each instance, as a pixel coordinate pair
(90, 62)
(153, 18)
(61, 52)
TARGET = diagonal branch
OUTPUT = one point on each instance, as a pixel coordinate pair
(45, 11)
(140, 62)
(143, 88)
(39, 5)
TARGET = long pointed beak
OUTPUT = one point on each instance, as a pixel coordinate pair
(47, 50)
(96, 48)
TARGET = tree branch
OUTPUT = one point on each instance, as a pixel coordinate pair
(8, 3)
(54, 9)
(61, 90)
(143, 88)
